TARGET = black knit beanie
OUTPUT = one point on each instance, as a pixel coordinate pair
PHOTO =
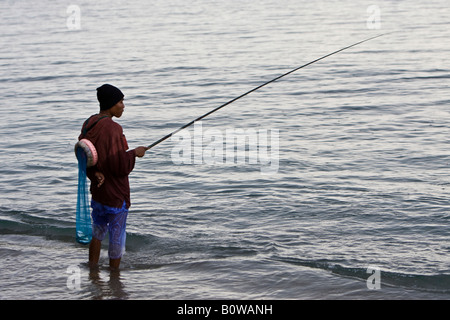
(108, 96)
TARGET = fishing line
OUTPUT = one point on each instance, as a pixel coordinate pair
(259, 87)
(87, 155)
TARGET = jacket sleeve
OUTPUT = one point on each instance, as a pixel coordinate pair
(119, 161)
(90, 172)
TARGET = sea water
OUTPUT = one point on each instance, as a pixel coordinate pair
(357, 203)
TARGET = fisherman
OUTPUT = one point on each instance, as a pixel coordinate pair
(110, 186)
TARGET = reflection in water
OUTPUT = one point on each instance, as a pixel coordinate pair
(102, 289)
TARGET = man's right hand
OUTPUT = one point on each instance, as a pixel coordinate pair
(140, 151)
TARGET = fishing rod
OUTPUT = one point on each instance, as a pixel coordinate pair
(258, 87)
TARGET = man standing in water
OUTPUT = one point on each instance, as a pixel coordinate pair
(110, 186)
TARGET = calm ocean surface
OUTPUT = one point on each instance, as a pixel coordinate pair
(361, 167)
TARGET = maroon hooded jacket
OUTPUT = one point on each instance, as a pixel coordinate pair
(114, 161)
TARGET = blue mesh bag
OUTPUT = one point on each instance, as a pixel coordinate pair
(83, 217)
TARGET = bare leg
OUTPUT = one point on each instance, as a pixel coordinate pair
(114, 264)
(94, 252)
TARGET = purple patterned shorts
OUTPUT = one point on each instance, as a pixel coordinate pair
(113, 220)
